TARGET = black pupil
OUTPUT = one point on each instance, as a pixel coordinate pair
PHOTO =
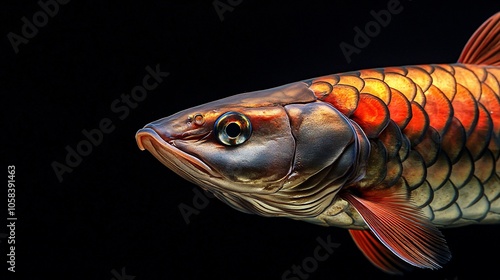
(233, 130)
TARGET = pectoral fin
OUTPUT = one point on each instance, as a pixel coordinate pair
(397, 228)
(377, 253)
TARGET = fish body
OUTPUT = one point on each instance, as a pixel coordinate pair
(432, 129)
(435, 136)
(392, 154)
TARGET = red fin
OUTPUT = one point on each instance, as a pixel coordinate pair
(377, 253)
(401, 227)
(484, 45)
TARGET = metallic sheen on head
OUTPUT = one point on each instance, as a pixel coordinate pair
(271, 152)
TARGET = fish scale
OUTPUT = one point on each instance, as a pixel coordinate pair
(392, 154)
(447, 115)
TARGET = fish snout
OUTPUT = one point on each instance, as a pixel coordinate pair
(161, 130)
(174, 128)
(166, 129)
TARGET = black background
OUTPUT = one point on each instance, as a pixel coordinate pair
(119, 208)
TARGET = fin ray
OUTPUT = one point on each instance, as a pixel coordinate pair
(401, 227)
(377, 253)
(484, 45)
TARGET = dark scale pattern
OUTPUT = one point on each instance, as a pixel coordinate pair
(433, 129)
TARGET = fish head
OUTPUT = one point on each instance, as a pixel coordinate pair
(251, 146)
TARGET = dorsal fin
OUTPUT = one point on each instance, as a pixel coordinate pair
(484, 45)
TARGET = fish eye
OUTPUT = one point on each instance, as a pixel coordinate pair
(233, 128)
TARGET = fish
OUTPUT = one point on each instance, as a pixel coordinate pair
(391, 154)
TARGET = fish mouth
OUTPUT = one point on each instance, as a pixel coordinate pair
(186, 165)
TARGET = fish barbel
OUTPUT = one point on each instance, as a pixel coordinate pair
(392, 154)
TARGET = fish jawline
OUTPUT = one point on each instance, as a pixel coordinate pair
(184, 164)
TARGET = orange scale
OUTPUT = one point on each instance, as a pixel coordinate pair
(398, 70)
(371, 115)
(447, 67)
(378, 88)
(439, 109)
(419, 96)
(492, 82)
(478, 141)
(352, 80)
(402, 83)
(495, 71)
(321, 88)
(478, 71)
(344, 98)
(492, 104)
(465, 108)
(420, 77)
(469, 80)
(331, 79)
(444, 81)
(371, 73)
(426, 67)
(399, 108)
(417, 126)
